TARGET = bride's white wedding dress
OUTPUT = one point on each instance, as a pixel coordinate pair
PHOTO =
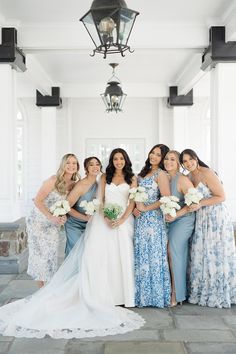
(81, 297)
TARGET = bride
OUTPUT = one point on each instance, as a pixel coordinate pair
(98, 274)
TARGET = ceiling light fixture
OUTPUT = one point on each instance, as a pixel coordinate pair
(113, 97)
(109, 24)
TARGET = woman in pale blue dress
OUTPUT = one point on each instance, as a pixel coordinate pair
(212, 270)
(180, 228)
(42, 227)
(85, 189)
(152, 278)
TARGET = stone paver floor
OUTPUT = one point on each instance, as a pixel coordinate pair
(186, 329)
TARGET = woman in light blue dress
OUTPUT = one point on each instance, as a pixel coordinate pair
(85, 189)
(212, 270)
(152, 277)
(180, 228)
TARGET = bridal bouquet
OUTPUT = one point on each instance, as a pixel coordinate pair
(169, 205)
(60, 208)
(112, 211)
(90, 207)
(192, 196)
(138, 194)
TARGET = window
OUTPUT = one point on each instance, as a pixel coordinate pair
(103, 147)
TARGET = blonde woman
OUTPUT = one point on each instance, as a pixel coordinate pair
(180, 228)
(42, 227)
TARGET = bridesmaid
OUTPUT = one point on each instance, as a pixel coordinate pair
(152, 278)
(42, 227)
(85, 189)
(212, 255)
(180, 228)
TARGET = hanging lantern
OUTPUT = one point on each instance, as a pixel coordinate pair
(109, 24)
(113, 97)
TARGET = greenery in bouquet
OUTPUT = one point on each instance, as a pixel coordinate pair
(112, 211)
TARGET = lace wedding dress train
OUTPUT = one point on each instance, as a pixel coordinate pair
(79, 300)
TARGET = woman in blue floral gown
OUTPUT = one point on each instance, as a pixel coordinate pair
(152, 278)
(42, 227)
(212, 279)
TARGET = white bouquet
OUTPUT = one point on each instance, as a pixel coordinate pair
(138, 194)
(112, 211)
(60, 208)
(192, 196)
(169, 205)
(90, 207)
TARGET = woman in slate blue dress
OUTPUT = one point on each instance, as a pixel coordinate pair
(85, 189)
(180, 228)
(152, 278)
(212, 273)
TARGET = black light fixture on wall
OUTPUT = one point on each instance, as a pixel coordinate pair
(109, 24)
(113, 97)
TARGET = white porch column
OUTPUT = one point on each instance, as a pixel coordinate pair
(164, 124)
(180, 128)
(48, 143)
(223, 128)
(9, 207)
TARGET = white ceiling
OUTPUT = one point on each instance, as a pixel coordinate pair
(166, 37)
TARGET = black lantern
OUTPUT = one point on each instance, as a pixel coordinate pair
(109, 24)
(113, 97)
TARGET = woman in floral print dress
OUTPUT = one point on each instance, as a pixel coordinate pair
(152, 278)
(212, 272)
(42, 227)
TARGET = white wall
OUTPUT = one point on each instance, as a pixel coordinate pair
(139, 120)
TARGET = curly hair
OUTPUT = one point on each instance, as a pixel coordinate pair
(60, 184)
(127, 170)
(147, 167)
(193, 155)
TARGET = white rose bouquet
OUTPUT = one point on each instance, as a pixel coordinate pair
(138, 194)
(60, 208)
(193, 196)
(112, 211)
(90, 207)
(169, 205)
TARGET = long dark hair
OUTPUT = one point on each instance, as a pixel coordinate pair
(194, 156)
(87, 161)
(127, 170)
(164, 149)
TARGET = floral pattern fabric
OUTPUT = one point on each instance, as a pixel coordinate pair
(152, 278)
(43, 241)
(212, 271)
